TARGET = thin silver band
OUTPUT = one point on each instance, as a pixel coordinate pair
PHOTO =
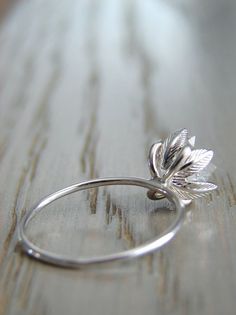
(146, 248)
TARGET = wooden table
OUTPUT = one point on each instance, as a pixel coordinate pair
(85, 88)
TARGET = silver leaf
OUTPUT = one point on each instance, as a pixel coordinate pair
(172, 145)
(155, 159)
(200, 187)
(178, 163)
(196, 162)
(179, 181)
(186, 194)
(192, 141)
(183, 194)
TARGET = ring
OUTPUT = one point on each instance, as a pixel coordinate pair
(178, 173)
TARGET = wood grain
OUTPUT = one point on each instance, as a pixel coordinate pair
(85, 88)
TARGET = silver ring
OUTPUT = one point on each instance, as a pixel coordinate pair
(178, 174)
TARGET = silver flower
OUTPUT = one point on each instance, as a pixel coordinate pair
(179, 166)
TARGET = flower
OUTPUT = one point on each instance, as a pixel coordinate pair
(179, 166)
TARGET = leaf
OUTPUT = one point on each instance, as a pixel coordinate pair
(155, 159)
(185, 194)
(178, 163)
(188, 194)
(201, 186)
(193, 190)
(179, 181)
(172, 145)
(196, 162)
(192, 141)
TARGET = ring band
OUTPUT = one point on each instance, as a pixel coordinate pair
(176, 175)
(46, 256)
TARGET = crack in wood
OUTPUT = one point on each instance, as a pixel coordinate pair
(231, 192)
(26, 285)
(89, 149)
(20, 101)
(113, 210)
(147, 68)
(40, 124)
(14, 212)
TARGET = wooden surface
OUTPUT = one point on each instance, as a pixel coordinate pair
(85, 88)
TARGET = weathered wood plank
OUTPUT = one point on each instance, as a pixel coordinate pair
(85, 88)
